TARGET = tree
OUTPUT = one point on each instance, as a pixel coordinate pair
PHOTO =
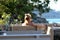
(17, 8)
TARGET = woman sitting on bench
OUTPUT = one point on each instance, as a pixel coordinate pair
(27, 20)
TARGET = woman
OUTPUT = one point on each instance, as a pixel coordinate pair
(27, 20)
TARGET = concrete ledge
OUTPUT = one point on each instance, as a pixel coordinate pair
(25, 36)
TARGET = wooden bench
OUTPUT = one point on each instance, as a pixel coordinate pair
(28, 28)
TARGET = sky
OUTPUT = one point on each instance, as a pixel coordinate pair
(55, 5)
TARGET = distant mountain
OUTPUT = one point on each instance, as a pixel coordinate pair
(51, 15)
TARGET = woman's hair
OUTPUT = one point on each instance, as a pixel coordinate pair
(27, 16)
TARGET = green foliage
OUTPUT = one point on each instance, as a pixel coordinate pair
(42, 5)
(34, 0)
(15, 9)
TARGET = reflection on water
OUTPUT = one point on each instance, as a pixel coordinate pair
(53, 20)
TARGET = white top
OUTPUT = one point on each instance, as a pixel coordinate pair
(23, 24)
